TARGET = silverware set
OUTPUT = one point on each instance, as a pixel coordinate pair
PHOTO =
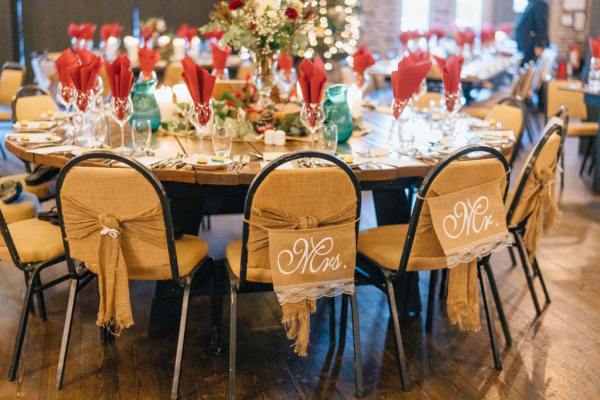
(238, 162)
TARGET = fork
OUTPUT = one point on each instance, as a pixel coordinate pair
(235, 161)
(245, 161)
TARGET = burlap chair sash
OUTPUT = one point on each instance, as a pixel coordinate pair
(309, 258)
(108, 258)
(469, 224)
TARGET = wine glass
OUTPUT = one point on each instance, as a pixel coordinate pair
(285, 80)
(199, 115)
(221, 74)
(221, 141)
(400, 119)
(453, 103)
(100, 129)
(141, 133)
(83, 102)
(65, 95)
(312, 117)
(329, 138)
(121, 110)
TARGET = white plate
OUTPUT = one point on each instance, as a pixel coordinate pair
(212, 162)
(29, 126)
(444, 150)
(33, 138)
(356, 161)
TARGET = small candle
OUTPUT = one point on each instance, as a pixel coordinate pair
(131, 46)
(195, 48)
(164, 99)
(178, 49)
(269, 137)
(182, 94)
(279, 138)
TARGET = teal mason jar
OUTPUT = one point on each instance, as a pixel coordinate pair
(144, 102)
(337, 110)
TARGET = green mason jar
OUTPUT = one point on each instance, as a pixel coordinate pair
(144, 103)
(337, 110)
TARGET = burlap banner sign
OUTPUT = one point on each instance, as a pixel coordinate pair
(312, 263)
(470, 223)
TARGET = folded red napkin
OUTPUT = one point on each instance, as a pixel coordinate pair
(219, 56)
(464, 37)
(146, 33)
(147, 59)
(313, 80)
(595, 47)
(85, 74)
(186, 31)
(505, 27)
(450, 77)
(437, 31)
(406, 36)
(419, 55)
(110, 30)
(407, 79)
(363, 59)
(214, 34)
(199, 81)
(487, 35)
(74, 31)
(64, 62)
(120, 77)
(285, 62)
(87, 30)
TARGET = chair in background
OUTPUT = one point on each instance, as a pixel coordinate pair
(97, 207)
(172, 75)
(33, 245)
(11, 79)
(387, 253)
(532, 205)
(30, 102)
(511, 113)
(566, 94)
(304, 194)
(426, 98)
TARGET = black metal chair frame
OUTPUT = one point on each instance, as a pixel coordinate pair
(241, 285)
(33, 287)
(383, 278)
(519, 230)
(80, 276)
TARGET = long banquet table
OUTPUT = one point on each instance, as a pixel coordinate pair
(195, 193)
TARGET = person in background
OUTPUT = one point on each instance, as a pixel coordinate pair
(532, 30)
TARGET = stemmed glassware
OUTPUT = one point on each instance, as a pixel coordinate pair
(285, 80)
(200, 115)
(453, 104)
(121, 110)
(65, 96)
(83, 101)
(141, 133)
(406, 136)
(312, 117)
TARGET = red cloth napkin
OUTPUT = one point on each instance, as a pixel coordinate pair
(363, 59)
(219, 56)
(437, 31)
(285, 62)
(86, 31)
(215, 34)
(85, 74)
(313, 80)
(450, 76)
(186, 31)
(64, 62)
(487, 35)
(146, 33)
(466, 36)
(405, 36)
(120, 77)
(147, 59)
(419, 55)
(110, 30)
(74, 31)
(595, 47)
(407, 79)
(199, 81)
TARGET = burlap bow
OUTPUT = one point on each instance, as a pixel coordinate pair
(296, 316)
(113, 284)
(544, 209)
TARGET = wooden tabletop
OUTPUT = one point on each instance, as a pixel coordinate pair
(382, 135)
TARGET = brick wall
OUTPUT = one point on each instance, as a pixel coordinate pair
(566, 37)
(380, 21)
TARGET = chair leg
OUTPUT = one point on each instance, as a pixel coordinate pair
(526, 269)
(431, 299)
(562, 173)
(3, 152)
(217, 311)
(331, 302)
(498, 302)
(22, 330)
(397, 335)
(513, 259)
(357, 354)
(181, 339)
(490, 324)
(538, 272)
(232, 343)
(586, 157)
(343, 320)
(62, 359)
(41, 304)
(444, 284)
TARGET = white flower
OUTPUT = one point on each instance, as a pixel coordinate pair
(272, 14)
(161, 25)
(266, 5)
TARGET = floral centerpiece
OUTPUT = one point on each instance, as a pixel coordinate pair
(264, 27)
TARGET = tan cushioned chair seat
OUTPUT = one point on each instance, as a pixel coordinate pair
(35, 241)
(233, 254)
(385, 245)
(582, 129)
(190, 250)
(25, 207)
(477, 111)
(41, 191)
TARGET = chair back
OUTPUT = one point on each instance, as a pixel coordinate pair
(541, 164)
(172, 75)
(543, 67)
(11, 79)
(93, 201)
(426, 98)
(245, 71)
(559, 95)
(302, 193)
(463, 170)
(511, 113)
(522, 89)
(31, 102)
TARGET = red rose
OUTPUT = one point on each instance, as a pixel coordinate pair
(291, 13)
(235, 4)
